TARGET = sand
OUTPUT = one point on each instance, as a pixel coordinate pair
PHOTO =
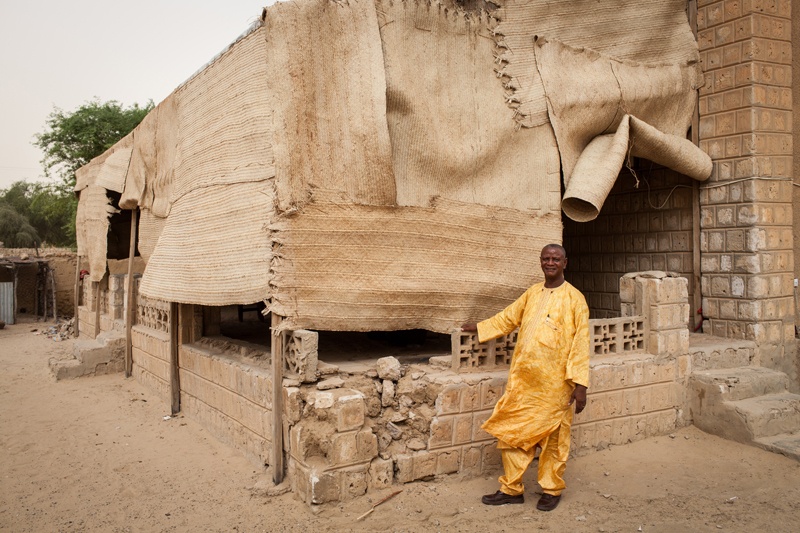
(96, 454)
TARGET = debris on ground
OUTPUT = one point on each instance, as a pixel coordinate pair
(61, 330)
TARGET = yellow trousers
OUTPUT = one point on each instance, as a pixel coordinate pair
(552, 463)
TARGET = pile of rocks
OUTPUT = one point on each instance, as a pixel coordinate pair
(61, 331)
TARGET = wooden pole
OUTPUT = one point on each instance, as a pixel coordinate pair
(53, 287)
(14, 311)
(131, 300)
(77, 306)
(174, 367)
(276, 347)
(97, 309)
(697, 297)
(44, 292)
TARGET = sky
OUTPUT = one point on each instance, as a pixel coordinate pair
(63, 54)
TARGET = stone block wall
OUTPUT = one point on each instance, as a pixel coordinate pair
(746, 211)
(151, 359)
(640, 228)
(232, 399)
(662, 299)
(632, 397)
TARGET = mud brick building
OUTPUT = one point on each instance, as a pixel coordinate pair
(310, 216)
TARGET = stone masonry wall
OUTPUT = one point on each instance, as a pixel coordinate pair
(746, 210)
(232, 399)
(642, 228)
(350, 433)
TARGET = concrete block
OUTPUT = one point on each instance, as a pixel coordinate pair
(441, 432)
(447, 462)
(302, 355)
(292, 404)
(491, 391)
(492, 459)
(462, 431)
(471, 457)
(353, 482)
(449, 400)
(349, 410)
(479, 418)
(352, 447)
(470, 399)
(381, 473)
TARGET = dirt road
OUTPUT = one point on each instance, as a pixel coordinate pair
(95, 454)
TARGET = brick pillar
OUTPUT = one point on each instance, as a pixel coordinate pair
(662, 298)
(746, 209)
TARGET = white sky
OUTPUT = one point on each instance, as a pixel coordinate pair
(63, 54)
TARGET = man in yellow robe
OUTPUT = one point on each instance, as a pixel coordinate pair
(549, 372)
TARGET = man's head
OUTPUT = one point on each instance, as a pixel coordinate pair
(554, 261)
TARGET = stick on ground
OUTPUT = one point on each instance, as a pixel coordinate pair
(389, 497)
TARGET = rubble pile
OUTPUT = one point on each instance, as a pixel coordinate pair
(61, 331)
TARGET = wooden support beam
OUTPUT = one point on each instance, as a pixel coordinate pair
(97, 309)
(697, 297)
(130, 309)
(77, 326)
(52, 276)
(174, 366)
(276, 347)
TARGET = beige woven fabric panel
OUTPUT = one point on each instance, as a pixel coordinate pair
(326, 73)
(87, 174)
(451, 131)
(363, 268)
(92, 224)
(601, 161)
(159, 184)
(150, 228)
(591, 96)
(111, 175)
(646, 31)
(222, 123)
(142, 165)
(215, 248)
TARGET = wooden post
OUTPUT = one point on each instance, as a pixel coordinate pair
(697, 297)
(131, 300)
(174, 376)
(76, 329)
(97, 308)
(44, 292)
(276, 347)
(53, 287)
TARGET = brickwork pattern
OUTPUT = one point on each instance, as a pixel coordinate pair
(231, 399)
(746, 212)
(644, 227)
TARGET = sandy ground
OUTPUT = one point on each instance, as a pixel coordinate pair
(95, 454)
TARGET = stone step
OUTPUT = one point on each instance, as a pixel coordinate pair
(103, 355)
(787, 444)
(771, 414)
(710, 352)
(740, 383)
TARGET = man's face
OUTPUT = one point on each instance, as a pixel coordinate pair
(553, 263)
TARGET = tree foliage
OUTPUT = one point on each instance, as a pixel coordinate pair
(48, 211)
(15, 230)
(74, 138)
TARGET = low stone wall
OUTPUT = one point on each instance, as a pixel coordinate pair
(150, 355)
(231, 398)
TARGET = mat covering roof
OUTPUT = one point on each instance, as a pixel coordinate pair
(389, 164)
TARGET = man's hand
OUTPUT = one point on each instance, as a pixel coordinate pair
(579, 398)
(469, 326)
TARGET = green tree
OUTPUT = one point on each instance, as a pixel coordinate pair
(15, 230)
(72, 139)
(46, 207)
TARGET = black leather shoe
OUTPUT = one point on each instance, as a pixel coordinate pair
(548, 502)
(501, 498)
